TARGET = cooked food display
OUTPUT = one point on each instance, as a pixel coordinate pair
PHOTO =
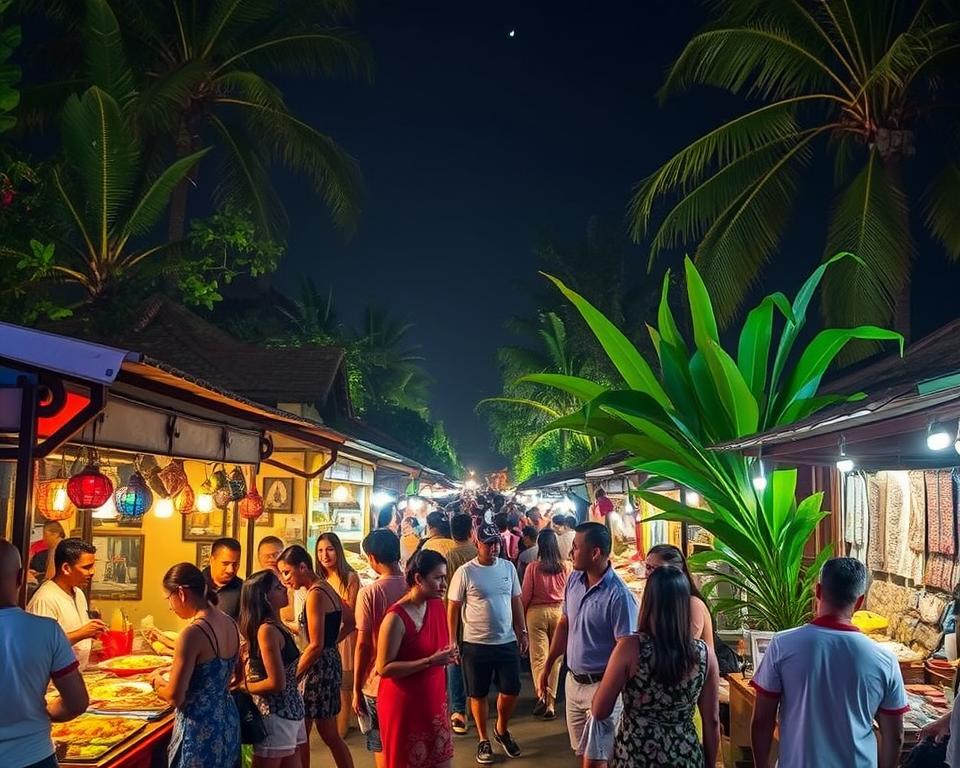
(135, 664)
(89, 737)
(125, 696)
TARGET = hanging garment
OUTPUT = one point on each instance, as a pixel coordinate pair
(899, 557)
(918, 512)
(856, 516)
(876, 500)
(941, 572)
(941, 518)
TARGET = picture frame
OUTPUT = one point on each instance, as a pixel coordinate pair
(265, 520)
(119, 568)
(203, 554)
(759, 642)
(204, 526)
(277, 494)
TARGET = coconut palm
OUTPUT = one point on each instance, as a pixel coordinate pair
(312, 317)
(862, 82)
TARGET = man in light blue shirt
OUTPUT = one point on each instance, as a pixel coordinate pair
(598, 609)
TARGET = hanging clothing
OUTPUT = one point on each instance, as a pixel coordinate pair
(941, 515)
(918, 512)
(856, 516)
(942, 572)
(899, 558)
(876, 501)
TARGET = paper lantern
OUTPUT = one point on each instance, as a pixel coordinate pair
(89, 488)
(251, 505)
(205, 497)
(174, 477)
(163, 508)
(185, 501)
(52, 499)
(134, 499)
(238, 485)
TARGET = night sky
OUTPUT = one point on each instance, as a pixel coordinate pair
(473, 144)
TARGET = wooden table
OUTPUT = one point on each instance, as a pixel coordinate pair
(138, 752)
(742, 697)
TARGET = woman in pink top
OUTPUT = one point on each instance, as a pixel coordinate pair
(544, 582)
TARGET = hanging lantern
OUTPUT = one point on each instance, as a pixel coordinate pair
(134, 499)
(163, 508)
(238, 485)
(107, 512)
(89, 488)
(341, 494)
(52, 499)
(185, 501)
(251, 505)
(174, 477)
(205, 498)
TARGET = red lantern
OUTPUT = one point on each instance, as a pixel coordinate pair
(185, 501)
(90, 488)
(251, 505)
(52, 499)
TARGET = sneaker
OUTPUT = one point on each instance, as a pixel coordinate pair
(539, 707)
(550, 714)
(458, 724)
(506, 741)
(484, 753)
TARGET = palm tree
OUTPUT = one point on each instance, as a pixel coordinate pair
(860, 81)
(312, 317)
(202, 80)
(9, 74)
(107, 200)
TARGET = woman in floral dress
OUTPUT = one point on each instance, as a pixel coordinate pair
(663, 672)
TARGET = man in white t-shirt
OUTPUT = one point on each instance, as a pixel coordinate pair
(830, 682)
(33, 651)
(485, 595)
(62, 597)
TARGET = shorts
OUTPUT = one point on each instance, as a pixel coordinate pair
(373, 735)
(483, 664)
(283, 737)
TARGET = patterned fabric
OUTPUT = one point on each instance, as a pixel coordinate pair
(918, 512)
(942, 572)
(287, 704)
(899, 558)
(876, 501)
(321, 686)
(941, 518)
(657, 725)
(856, 516)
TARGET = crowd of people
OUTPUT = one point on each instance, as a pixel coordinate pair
(416, 654)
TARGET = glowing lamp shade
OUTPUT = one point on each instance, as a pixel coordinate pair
(52, 499)
(185, 501)
(845, 465)
(251, 505)
(204, 503)
(89, 488)
(341, 494)
(107, 512)
(939, 437)
(163, 508)
(133, 499)
(760, 482)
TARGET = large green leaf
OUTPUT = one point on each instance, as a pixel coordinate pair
(668, 328)
(107, 66)
(582, 389)
(701, 308)
(733, 390)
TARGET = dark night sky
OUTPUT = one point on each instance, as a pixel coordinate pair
(473, 144)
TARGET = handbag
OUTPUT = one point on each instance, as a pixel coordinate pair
(252, 728)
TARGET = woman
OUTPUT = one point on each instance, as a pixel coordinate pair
(544, 582)
(206, 730)
(413, 649)
(663, 673)
(700, 620)
(271, 671)
(334, 568)
(410, 539)
(323, 624)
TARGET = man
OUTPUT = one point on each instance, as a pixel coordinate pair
(530, 550)
(62, 597)
(565, 526)
(509, 541)
(382, 548)
(537, 519)
(830, 683)
(484, 598)
(42, 566)
(222, 577)
(35, 651)
(268, 550)
(438, 533)
(602, 506)
(461, 528)
(598, 610)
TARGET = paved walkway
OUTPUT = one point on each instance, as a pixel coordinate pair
(543, 742)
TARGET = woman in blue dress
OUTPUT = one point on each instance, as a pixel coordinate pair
(206, 731)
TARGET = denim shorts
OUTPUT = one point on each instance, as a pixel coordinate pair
(373, 735)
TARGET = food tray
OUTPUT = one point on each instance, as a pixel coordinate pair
(89, 737)
(135, 664)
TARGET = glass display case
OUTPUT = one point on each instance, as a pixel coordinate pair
(340, 502)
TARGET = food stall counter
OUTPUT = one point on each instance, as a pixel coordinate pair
(147, 748)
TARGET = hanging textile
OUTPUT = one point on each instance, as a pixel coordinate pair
(856, 516)
(918, 512)
(942, 572)
(900, 559)
(876, 501)
(941, 516)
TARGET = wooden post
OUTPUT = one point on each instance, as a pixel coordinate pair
(23, 484)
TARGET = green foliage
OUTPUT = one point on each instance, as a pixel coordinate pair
(860, 82)
(9, 73)
(698, 395)
(427, 440)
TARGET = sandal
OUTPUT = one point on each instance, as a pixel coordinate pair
(458, 724)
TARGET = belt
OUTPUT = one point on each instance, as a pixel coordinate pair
(588, 679)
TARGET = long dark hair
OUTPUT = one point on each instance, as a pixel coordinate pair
(548, 552)
(665, 619)
(672, 556)
(188, 576)
(422, 564)
(255, 606)
(343, 569)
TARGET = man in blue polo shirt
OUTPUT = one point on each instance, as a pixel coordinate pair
(598, 609)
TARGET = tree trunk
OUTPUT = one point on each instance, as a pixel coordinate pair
(178, 200)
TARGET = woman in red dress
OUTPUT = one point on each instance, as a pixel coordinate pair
(413, 650)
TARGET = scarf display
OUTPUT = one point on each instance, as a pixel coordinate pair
(941, 513)
(856, 521)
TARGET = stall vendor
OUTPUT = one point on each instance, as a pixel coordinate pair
(222, 577)
(62, 597)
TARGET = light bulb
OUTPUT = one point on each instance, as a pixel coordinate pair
(760, 482)
(956, 446)
(939, 437)
(341, 494)
(60, 499)
(163, 508)
(107, 512)
(693, 499)
(845, 465)
(204, 503)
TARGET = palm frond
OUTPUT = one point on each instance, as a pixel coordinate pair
(41, 105)
(940, 209)
(225, 16)
(106, 60)
(302, 50)
(143, 24)
(165, 97)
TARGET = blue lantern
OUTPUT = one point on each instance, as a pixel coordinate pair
(133, 499)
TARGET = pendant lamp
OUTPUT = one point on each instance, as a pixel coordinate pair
(134, 499)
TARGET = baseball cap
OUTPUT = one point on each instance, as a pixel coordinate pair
(488, 533)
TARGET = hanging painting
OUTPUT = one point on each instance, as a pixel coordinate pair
(278, 494)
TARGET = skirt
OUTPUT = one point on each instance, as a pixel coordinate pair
(321, 686)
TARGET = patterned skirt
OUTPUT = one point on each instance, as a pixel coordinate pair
(321, 686)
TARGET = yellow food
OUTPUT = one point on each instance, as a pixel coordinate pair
(95, 730)
(144, 661)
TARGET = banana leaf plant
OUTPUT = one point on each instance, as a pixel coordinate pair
(698, 394)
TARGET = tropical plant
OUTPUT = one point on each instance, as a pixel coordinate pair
(9, 73)
(107, 199)
(202, 77)
(312, 317)
(703, 395)
(870, 84)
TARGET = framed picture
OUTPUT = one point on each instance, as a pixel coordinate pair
(759, 641)
(204, 526)
(203, 554)
(277, 494)
(265, 520)
(119, 570)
